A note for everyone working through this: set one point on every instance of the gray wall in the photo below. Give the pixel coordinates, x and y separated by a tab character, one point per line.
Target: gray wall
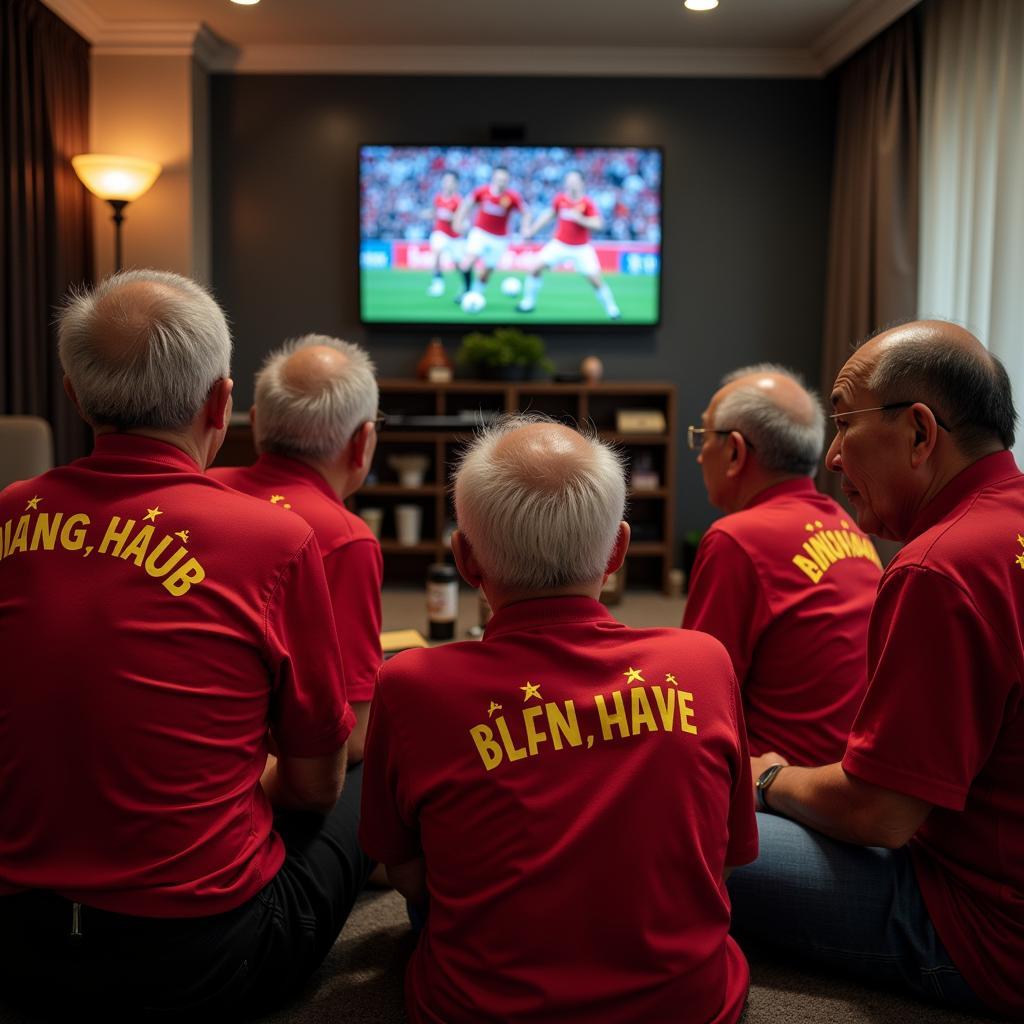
747	179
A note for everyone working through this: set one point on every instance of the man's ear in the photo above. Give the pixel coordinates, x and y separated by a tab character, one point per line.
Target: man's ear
740	454
218	404
926	433
360	448
618	555
465	560
69	390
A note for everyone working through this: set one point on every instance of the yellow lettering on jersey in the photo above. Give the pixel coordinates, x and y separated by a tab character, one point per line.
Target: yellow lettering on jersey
666	702
6	543
19	542
153	566
136	550
608	720
811	569
514	753
72	534
46	529
685	711
824	549
563	726
533	735
115	536
181	581
489	751
640	707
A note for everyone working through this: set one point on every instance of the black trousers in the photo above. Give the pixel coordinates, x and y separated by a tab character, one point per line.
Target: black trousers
230	965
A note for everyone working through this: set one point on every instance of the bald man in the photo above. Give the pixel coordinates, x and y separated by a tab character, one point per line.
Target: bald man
159	632
314	423
931	777
572	789
785	580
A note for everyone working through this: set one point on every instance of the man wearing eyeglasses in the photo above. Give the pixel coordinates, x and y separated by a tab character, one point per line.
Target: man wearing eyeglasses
925	886
315	423
784	580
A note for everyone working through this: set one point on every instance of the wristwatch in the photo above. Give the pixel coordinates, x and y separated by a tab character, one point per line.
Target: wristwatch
764	780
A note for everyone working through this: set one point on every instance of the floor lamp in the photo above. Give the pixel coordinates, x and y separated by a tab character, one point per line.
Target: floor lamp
118	179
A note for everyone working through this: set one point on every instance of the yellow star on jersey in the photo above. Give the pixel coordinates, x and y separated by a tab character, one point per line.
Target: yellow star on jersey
809	527
844	524
183	534
275	498
634	676
531	690
494	707
669	678
152	513
33	502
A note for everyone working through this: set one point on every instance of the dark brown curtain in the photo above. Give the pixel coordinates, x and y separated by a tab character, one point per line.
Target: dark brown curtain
872	250
45	222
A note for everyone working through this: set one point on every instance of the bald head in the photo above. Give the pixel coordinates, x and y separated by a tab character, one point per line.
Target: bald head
312	395
539	503
945	367
782	421
143	349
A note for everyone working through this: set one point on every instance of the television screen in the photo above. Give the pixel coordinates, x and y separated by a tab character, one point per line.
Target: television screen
521	235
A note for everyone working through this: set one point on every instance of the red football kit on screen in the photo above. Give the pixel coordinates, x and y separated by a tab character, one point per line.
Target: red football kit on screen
570	231
352	557
444	211
787	585
493	210
943	718
153	624
576	789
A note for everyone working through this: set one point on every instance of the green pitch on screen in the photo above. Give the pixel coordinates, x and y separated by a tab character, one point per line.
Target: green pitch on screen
400	296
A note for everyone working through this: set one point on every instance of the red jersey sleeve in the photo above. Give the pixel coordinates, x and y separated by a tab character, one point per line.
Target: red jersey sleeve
743	846
924	728
479	192
309	711
516	201
725	598
386	832
354	574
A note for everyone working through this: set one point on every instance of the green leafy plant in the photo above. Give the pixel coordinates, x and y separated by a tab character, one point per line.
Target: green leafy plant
506	349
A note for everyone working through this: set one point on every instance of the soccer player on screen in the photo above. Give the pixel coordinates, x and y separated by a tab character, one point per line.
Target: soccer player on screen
443	236
488	237
577	217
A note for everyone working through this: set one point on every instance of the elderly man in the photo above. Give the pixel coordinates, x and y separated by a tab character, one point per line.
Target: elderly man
160	633
568	792
924	417
314	424
784	580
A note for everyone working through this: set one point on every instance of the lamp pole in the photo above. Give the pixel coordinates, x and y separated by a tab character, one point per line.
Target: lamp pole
118	219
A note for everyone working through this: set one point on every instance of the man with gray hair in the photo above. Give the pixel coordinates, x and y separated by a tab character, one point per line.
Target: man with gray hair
784	579
571	790
161	633
314	422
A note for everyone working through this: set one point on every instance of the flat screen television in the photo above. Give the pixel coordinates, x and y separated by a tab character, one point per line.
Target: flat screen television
511	235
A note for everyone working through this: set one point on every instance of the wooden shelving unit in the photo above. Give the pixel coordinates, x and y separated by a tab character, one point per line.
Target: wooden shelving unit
651	511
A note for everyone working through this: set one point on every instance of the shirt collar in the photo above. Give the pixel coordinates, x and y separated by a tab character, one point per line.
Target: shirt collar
800	485
986	471
545	612
143	449
285	466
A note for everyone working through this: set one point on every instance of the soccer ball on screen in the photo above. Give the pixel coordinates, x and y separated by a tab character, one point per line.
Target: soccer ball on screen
511	286
473	302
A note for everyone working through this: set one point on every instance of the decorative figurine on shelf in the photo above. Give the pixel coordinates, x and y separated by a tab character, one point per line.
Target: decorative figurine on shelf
435	365
592	369
411	468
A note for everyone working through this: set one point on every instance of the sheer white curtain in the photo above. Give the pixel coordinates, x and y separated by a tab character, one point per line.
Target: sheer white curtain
971	263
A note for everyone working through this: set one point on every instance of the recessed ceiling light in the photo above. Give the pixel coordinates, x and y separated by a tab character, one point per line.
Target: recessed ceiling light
692	5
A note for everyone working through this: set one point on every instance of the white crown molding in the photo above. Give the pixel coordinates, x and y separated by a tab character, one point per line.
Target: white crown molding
79	15
661	62
862	22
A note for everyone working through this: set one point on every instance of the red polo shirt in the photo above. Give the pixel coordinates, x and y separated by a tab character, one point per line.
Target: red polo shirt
153	624
943	719
352	558
787	585
576	789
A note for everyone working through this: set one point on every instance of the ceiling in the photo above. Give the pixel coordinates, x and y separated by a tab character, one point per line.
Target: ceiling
784	37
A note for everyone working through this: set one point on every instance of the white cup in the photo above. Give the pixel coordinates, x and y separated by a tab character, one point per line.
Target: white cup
408	520
373	517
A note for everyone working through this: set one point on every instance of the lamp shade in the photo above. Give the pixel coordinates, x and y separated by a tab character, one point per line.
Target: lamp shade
115	177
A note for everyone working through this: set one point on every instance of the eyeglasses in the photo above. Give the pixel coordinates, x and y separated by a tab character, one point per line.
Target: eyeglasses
696	436
837	416
379	421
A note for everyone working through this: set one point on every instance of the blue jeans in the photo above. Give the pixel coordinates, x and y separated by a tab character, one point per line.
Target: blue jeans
855	909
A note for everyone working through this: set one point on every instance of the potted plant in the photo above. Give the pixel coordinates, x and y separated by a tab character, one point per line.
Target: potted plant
506	354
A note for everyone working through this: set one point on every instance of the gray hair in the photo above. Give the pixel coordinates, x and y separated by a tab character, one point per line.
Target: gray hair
314	424
143	356
537	531
780	442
